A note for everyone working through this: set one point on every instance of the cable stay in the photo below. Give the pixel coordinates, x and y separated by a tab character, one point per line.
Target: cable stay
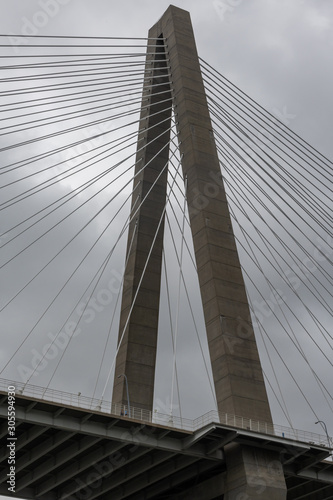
301	195
73	96
81	73
118	298
283	327
42	156
241	194
284	278
82	228
172	334
100	272
273	120
72	129
292	181
77	110
74	192
131	218
285	365
103	174
60	291
120	103
278	208
175	338
281	300
287	248
279	185
191	310
95	61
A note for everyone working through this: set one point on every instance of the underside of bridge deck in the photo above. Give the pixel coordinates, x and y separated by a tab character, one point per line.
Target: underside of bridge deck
64	452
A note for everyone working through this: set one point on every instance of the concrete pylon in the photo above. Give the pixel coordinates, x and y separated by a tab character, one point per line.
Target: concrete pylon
237	373
236	367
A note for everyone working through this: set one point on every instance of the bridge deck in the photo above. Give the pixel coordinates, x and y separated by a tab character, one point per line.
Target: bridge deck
65	452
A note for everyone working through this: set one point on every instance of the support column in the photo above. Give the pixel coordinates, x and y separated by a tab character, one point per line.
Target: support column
137	353
253	473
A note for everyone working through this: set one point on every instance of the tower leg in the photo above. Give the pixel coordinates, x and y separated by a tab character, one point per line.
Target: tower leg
140	304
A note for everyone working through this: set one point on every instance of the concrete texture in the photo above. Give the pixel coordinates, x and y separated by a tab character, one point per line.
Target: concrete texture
253	473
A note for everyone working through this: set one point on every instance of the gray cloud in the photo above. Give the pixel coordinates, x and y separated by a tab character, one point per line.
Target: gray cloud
279	52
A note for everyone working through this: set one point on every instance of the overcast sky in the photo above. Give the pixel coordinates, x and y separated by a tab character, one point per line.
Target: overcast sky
277	51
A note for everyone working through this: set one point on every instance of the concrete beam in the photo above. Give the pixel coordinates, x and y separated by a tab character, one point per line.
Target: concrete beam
209	489
311	490
174	481
138	434
310	461
31	406
197	435
59	412
311	473
143	475
25	439
39	451
112	461
27	493
298	452
62	457
218	444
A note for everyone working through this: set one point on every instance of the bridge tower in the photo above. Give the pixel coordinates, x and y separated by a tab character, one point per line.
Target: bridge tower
238	378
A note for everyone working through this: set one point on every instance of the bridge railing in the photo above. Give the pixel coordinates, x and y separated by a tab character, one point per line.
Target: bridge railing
261	427
176	422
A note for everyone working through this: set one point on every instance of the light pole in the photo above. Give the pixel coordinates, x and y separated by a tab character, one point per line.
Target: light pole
325	429
128	401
